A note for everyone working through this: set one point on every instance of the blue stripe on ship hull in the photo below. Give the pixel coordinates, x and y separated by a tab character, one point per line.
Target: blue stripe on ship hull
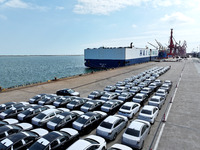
96	63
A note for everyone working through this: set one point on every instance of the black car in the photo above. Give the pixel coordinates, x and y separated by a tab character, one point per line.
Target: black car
125	96
5	106
110	88
13	111
96	94
76	103
35	99
111	106
56	140
47	99
21	140
11	129
61	101
92	105
88	121
31	112
67	92
61	120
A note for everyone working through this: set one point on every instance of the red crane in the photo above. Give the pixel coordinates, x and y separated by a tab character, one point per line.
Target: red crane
171	45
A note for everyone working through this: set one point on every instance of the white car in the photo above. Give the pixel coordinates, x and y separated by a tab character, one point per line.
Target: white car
161	92
121	89
8	121
129	109
140	98
136	133
90	142
42	118
157	101
119	147
148	113
111	126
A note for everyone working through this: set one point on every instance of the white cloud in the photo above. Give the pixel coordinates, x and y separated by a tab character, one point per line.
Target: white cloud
103	6
16	4
177	18
134	26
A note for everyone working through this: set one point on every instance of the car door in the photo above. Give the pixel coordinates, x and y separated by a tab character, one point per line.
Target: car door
155	113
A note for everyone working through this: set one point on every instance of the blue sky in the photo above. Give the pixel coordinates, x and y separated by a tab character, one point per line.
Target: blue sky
60	27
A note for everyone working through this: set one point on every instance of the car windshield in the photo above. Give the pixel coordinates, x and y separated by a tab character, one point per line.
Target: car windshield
144	111
124	95
160	92
40	116
91	141
107	105
40	144
145	90
27	112
132	132
106	95
83	119
74	102
126	107
88	105
94	93
154	100
70	91
138	97
106	125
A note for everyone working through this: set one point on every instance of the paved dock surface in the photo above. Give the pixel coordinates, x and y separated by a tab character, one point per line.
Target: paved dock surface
180	131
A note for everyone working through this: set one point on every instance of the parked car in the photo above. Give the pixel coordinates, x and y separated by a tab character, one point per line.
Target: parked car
96	94
92	105
136	133
61	120
111	106
148	113
135	89
7	130
142	84
21	140
5	106
88	121
14	110
68	92
110	88
8	121
42	118
31	112
128	80
157	101
118	146
91	142
111	126
168	82
47	99
56	140
129	109
76	103
121	89
125	96
166	87
161	92
154	86
35	99
108	96
130	85
146	90
62	101
158	81
120	83
137	81
140	98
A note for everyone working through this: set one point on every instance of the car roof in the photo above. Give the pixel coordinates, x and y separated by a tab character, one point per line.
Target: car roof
81	144
140	94
148	107
129	104
161	90
52	135
156	97
49	111
135	125
111	119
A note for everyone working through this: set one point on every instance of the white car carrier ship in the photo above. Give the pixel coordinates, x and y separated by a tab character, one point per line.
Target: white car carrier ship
106	57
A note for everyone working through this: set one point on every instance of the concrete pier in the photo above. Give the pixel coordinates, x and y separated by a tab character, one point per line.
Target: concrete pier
181	128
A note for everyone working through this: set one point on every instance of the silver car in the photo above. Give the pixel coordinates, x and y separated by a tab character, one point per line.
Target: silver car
161	92
136	133
157	101
111	126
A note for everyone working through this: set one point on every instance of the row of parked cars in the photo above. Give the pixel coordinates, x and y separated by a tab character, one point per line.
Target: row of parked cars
54	115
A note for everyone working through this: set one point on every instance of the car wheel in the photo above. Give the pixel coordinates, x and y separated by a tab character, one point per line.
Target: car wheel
142	145
115	135
103	148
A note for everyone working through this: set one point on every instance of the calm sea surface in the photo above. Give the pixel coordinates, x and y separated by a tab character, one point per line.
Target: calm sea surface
21	70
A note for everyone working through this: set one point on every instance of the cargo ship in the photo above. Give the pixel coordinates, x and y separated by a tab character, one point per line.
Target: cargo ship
112	57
